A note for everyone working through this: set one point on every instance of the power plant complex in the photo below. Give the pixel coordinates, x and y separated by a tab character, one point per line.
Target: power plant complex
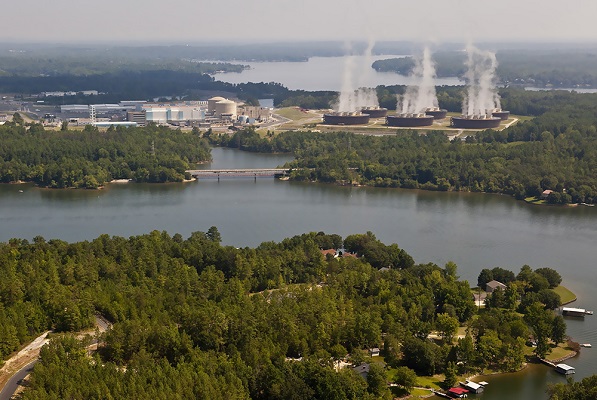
418	106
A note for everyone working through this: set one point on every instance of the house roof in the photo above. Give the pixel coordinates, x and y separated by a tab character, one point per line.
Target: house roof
457	390
564	367
329	251
495	284
547	192
361	368
576	310
472	385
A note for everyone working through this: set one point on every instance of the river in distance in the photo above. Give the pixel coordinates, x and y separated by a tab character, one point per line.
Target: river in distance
323	73
474	230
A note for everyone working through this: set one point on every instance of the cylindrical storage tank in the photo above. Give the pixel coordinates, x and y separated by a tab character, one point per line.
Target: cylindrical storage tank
345	119
475	123
375	112
225	107
211	103
437	113
503	115
409	122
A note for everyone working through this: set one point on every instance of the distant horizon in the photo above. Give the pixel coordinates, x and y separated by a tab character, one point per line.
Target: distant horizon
232	43
266	21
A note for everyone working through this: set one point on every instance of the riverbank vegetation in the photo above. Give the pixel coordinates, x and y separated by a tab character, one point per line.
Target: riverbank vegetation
90	158
198	319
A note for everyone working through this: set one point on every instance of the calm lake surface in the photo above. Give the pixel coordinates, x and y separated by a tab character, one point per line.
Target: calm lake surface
323	73
474	230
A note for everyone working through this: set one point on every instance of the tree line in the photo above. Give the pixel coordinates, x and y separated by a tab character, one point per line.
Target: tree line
90	158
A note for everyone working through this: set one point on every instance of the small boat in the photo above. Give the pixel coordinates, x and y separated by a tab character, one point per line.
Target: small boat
588	345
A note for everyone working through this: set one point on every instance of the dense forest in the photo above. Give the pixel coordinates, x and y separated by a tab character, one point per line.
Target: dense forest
195	319
90	158
535	67
557	150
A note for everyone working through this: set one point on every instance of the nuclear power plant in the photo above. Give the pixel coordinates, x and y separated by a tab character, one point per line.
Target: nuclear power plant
418	106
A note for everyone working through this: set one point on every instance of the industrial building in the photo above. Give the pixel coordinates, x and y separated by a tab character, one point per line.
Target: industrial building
139	117
165	114
216	110
262	114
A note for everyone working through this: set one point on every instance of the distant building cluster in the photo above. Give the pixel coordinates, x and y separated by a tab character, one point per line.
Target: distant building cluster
217	111
71	93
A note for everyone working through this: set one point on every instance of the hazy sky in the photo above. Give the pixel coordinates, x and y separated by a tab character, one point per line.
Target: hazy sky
298	20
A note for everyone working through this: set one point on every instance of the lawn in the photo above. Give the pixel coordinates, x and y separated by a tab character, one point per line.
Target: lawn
534	200
559	352
566	295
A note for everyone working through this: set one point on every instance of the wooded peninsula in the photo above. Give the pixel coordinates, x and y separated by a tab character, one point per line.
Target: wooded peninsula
195	319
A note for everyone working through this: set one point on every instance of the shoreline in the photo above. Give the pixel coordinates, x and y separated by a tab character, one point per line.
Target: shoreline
529	200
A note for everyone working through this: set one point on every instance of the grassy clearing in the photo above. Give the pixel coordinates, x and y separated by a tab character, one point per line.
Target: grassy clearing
559	352
565	294
292	113
432	382
461	331
419	393
534	200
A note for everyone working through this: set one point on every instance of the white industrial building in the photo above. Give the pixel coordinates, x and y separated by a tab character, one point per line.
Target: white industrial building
163	114
256	113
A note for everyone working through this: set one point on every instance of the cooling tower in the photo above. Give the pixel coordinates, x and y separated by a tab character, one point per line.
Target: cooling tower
409	120
475	122
342	118
375	112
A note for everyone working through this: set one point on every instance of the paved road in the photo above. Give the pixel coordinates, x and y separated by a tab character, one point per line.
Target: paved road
13	383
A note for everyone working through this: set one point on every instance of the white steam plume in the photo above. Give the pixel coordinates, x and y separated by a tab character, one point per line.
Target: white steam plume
420	94
481	98
353	97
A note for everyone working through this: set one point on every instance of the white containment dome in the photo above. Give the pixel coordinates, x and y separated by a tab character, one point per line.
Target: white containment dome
225	107
211	103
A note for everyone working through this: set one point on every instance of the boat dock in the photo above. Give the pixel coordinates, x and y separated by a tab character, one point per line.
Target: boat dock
575	312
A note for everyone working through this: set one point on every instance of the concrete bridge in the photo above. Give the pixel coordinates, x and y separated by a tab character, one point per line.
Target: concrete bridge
242	172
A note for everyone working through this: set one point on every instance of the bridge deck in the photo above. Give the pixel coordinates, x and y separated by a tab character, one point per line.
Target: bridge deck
238	172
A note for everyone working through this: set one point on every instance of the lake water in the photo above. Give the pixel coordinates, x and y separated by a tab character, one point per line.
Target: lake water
474	230
323	73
